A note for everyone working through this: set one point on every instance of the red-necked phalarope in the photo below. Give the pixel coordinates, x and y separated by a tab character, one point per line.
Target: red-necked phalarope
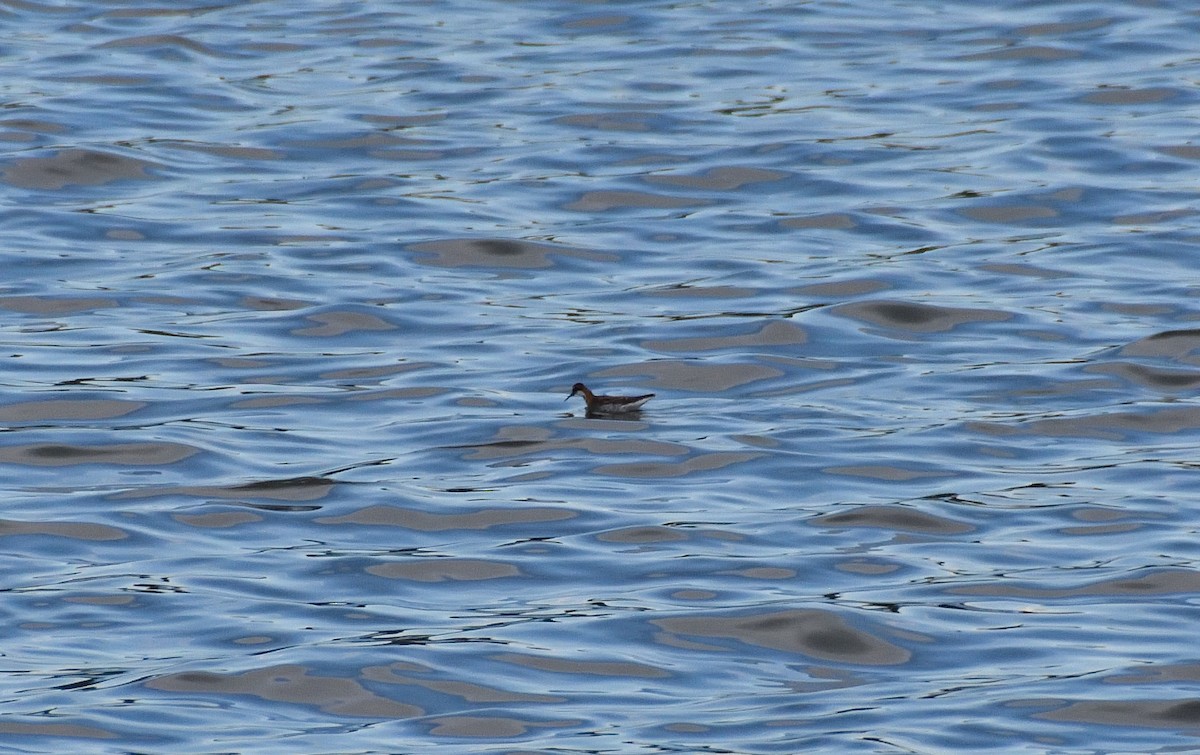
609	404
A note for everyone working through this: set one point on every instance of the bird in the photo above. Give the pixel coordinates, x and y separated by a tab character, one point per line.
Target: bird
609	405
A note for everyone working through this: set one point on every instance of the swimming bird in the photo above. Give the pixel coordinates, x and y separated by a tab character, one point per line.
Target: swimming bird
607	405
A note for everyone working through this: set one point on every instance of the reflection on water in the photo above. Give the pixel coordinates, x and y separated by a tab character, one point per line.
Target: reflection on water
817	634
293	295
69	167
499	253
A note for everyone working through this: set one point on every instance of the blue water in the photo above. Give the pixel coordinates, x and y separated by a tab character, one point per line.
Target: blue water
293	294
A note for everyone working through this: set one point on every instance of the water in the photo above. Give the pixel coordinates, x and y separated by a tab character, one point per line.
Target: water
293	294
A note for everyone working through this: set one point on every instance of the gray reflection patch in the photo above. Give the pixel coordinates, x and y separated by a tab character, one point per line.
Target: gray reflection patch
602	201
774	333
680	290
415	392
1160	582
915	317
81	167
892	518
494	252
273	304
701	463
162	40
722	178
1008	52
445	570
55	730
360	374
834	221
491	727
1153	218
819	634
61	454
870	568
882	472
217	519
693	595
288	489
231	152
598	23
1097	530
269	402
642	535
468	692
765	572
75	530
1158	714
333	324
591	668
846	288
615	120
1172	344
1109	95
509	448
1179	672
290	684
1101	426
1185	151
481	519
1150	377
1015	213
690	376
34	411
54	305
1029	271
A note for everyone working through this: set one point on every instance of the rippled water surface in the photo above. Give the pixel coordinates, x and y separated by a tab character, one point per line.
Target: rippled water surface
293	294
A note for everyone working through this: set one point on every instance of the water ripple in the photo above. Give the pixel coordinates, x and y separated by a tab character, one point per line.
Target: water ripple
294	296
